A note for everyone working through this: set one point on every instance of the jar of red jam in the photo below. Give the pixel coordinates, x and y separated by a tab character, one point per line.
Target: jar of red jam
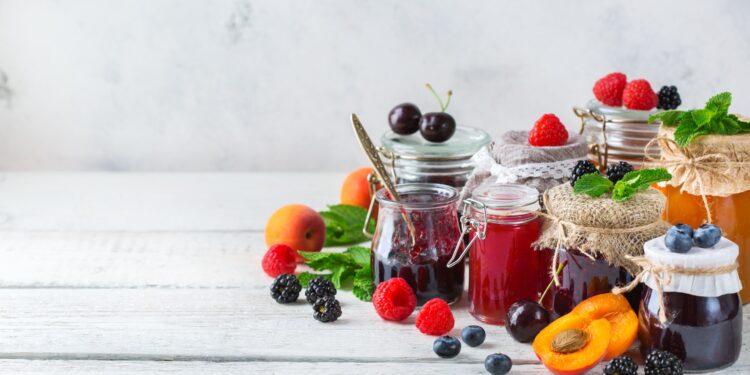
503	265
420	257
412	159
703	313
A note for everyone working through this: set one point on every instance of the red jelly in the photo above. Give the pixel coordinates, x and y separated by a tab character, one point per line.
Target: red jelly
424	263
503	265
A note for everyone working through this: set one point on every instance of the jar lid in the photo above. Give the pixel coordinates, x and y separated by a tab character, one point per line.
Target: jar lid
620	113
466	141
507	196
723	253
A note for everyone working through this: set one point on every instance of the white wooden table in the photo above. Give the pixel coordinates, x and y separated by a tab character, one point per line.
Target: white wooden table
160	273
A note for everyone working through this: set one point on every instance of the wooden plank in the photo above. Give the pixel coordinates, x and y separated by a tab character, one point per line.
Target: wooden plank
222	325
156	202
68	367
131	259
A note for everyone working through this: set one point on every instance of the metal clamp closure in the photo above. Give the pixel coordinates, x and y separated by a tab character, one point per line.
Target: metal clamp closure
468	223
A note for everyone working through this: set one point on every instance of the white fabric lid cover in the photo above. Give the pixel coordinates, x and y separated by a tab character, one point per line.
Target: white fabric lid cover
722	254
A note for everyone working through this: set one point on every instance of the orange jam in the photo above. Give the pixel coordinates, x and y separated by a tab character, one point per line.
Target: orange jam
731	214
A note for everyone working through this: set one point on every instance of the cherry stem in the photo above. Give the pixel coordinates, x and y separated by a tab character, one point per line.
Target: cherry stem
448	102
549	286
440	101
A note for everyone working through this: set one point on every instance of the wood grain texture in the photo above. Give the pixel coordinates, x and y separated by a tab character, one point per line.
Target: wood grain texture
104	273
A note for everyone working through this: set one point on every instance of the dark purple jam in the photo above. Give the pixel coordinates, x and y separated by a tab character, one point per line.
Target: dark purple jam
424	265
583	277
704	332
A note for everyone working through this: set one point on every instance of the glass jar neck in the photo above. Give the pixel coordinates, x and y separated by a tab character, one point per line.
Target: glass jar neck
419	196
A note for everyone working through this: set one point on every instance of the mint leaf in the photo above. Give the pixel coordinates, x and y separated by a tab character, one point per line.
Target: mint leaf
326	260
363	287
305	277
592	184
667	118
360	255
702	116
720	103
725	125
687	131
341	275
636	181
344	225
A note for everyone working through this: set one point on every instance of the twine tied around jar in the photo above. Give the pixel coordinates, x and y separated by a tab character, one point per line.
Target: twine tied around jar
662	275
693	165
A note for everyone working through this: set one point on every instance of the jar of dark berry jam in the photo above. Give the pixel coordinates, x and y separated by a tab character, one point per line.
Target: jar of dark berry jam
503	265
585	276
412	159
703	314
421	257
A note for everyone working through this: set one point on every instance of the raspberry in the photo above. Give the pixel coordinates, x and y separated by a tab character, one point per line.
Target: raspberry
435	318
608	89
548	131
394	299
279	259
638	94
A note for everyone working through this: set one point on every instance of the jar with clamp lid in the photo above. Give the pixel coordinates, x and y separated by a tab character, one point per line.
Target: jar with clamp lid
503	222
412	159
616	134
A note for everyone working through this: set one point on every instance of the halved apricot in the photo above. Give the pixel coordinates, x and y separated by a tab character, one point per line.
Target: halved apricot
616	309
572	344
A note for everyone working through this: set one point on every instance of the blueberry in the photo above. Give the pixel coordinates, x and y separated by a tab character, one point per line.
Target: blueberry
678	239
686	228
498	364
707	235
446	346
473	335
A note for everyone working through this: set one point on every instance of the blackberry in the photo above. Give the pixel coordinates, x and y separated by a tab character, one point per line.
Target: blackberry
621	366
319	287
327	309
583	167
660	362
668	98
615	172
286	288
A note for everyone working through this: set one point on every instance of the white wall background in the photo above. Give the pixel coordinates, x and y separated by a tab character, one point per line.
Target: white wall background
195	85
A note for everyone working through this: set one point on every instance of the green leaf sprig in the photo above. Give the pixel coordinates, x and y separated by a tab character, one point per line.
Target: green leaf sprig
596	185
351	267
344	225
713	119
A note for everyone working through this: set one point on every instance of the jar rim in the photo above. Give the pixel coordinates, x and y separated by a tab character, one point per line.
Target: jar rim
466	142
448	193
506	196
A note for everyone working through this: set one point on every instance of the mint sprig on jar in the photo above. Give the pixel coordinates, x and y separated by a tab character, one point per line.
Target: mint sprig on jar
595	185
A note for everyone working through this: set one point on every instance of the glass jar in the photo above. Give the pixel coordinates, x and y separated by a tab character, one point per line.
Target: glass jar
421	258
616	134
503	224
584	277
412	159
703	325
731	214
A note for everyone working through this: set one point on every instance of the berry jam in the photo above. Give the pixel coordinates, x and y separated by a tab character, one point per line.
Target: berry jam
424	265
583	277
495	282
705	333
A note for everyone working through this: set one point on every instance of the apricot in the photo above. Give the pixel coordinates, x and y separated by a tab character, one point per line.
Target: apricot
616	309
297	226
356	189
572	344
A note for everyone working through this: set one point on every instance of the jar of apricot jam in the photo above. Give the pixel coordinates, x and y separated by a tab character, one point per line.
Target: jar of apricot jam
584	276
412	159
420	257
703	325
503	265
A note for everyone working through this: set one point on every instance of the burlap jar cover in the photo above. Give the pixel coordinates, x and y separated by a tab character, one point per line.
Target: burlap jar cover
601	227
511	160
717	165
